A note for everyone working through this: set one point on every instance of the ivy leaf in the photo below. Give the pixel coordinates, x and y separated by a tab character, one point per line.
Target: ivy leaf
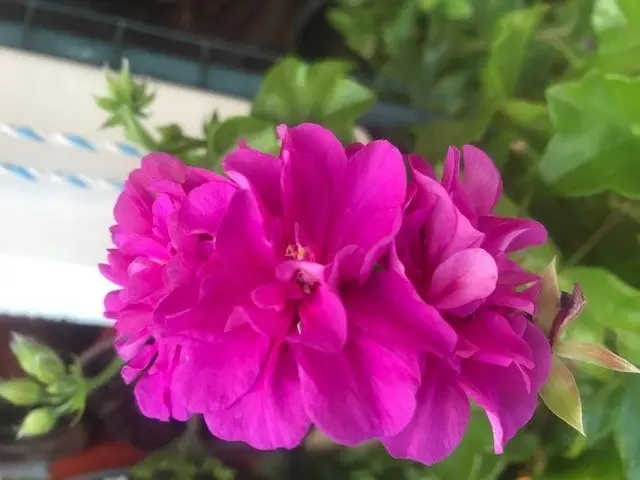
617	26
508	49
561	395
528	115
293	92
358	26
628	428
259	134
612	303
597	142
600	463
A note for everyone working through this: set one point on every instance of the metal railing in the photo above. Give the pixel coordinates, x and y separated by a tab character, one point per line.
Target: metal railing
96	38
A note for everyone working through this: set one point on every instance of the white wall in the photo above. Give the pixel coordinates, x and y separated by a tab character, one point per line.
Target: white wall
53	235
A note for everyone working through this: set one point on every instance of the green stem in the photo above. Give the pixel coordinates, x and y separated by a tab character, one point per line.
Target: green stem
103	377
611	221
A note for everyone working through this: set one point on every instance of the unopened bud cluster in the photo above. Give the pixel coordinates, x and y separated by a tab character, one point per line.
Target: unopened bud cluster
50	389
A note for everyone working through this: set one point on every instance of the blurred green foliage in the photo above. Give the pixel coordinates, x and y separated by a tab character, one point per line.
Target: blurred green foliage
551	89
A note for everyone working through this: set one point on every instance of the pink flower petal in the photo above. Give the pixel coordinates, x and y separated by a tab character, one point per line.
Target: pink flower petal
216	373
323	321
482	183
144	283
368	206
387	309
271	414
495	340
447	229
258	171
462	278
162	166
504	394
362	393
150	395
205	206
440	420
131	211
241	235
511	234
313	179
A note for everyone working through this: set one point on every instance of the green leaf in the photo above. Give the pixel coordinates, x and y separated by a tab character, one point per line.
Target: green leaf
337	100
601	408
597	142
628	344
433	139
458	9
628	428
400	30
358	27
610	302
617	26
522	447
602	463
508	49
259	134
293	92
595	355
529	115
561	395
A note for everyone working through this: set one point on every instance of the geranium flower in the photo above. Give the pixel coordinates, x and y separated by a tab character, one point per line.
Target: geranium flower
159	247
455	252
280	339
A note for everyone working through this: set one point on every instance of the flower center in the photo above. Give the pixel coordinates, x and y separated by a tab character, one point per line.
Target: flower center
298	252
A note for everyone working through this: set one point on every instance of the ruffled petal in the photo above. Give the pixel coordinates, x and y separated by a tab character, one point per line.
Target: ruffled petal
504	394
440	420
271	414
495	340
482	183
370	200
387	309
463	278
260	172
214	374
241	236
205	206
314	168
362	393
323	321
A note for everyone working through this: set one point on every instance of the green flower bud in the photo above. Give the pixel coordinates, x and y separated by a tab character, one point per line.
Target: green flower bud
21	391
37	360
38	422
63	388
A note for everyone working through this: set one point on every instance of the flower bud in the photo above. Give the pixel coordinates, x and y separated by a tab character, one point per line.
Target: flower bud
38	422
37	360
21	391
63	388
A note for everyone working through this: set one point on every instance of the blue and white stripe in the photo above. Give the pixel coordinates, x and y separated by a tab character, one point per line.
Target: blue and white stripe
60	177
72	140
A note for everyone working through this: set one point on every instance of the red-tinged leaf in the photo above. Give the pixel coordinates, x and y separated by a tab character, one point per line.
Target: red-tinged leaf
548	301
562	397
571	305
594	354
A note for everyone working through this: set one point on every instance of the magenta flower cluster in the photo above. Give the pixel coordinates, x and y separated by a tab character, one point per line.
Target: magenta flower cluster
345	289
